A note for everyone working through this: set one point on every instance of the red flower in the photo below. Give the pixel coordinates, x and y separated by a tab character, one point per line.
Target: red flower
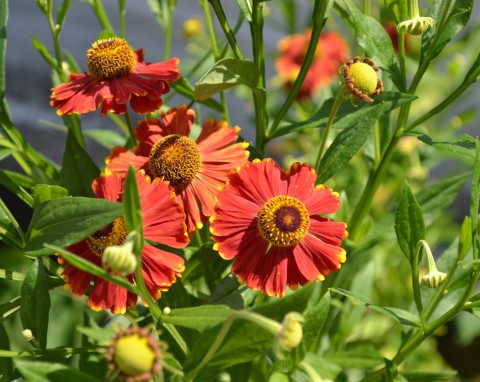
163	222
117	75
392	32
331	52
195	169
268	221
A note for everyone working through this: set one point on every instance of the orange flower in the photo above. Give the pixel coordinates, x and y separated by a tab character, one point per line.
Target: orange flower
163	222
331	52
117	75
268	221
195	169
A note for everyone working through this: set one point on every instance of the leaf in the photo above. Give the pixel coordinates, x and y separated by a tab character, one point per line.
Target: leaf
199	318
246	8
106	138
44	192
359	357
372	37
9	180
465	238
43	51
428	376
68	220
183	87
78	169
315	316
35	303
475	194
3	46
224	74
37	371
409	224
448	23
62	12
345	145
6	364
8	230
397	10
348	113
198	262
400	315
463	144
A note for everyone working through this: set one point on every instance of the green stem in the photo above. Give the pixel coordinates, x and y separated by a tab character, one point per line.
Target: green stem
123	29
413	7
415	283
333	111
217	7
169	9
401	58
259	93
310	371
102	17
131	134
319	11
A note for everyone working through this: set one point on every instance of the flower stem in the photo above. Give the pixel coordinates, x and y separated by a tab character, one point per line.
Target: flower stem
319	10
131	134
333	111
415	283
123	30
102	17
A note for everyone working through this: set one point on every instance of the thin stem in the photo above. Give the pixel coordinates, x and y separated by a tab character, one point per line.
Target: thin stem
167	30
367	7
333	111
102	17
413	7
319	11
217	7
128	122
415	284
310	371
123	29
401	58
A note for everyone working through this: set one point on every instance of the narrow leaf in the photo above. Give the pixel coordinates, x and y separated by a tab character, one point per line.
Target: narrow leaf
37	371
44	192
429	376
43	51
6	364
3	46
397	9
78	169
465	238
106	138
224	74
68	220
475	194
199	318
409	224
315	316
9	180
62	12
346	144
463	144
35	303
246	8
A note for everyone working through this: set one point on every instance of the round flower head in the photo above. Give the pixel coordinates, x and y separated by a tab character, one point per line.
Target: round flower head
331	51
117	75
193	168
269	221
134	354
163	222
361	79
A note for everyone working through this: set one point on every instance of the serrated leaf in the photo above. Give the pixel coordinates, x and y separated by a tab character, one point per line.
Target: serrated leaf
35	303
463	144
78	169
224	74
44	192
347	113
68	220
400	315
450	18
199	318
409	223
37	371
346	144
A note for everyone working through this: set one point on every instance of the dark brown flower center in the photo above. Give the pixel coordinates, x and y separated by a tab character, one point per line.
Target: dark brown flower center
283	221
114	233
110	58
175	158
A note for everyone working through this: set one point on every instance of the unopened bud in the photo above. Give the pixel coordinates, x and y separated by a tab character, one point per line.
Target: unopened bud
120	258
434	279
291	333
416	26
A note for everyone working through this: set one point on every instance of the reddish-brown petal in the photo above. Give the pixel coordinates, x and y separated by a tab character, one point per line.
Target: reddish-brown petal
329	231
322	201
121	159
108	187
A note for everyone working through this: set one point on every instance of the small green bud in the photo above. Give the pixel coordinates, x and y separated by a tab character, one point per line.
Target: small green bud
291	333
434	279
120	258
416	26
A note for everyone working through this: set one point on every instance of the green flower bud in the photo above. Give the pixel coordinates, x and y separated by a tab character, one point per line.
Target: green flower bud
416	26
120	258
291	333
434	279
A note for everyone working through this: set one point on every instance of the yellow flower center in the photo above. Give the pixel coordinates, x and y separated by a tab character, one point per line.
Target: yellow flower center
283	221
110	58
134	355
113	234
175	158
364	77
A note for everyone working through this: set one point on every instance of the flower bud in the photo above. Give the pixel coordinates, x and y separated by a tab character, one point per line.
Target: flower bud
120	258
28	335
361	79
291	333
416	26
434	279
192	27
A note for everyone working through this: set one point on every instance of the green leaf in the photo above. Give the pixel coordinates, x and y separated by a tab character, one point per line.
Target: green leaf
346	144
465	238
450	18
9	180
429	376
463	144
62	12
359	357
6	364
183	87
8	229
224	74
3	46
37	371
106	138
35	303
348	113
68	220
245	341
409	224
43	51
400	315
397	10
246	8
315	316
475	194
44	192
78	169
198	263
199	318
372	37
